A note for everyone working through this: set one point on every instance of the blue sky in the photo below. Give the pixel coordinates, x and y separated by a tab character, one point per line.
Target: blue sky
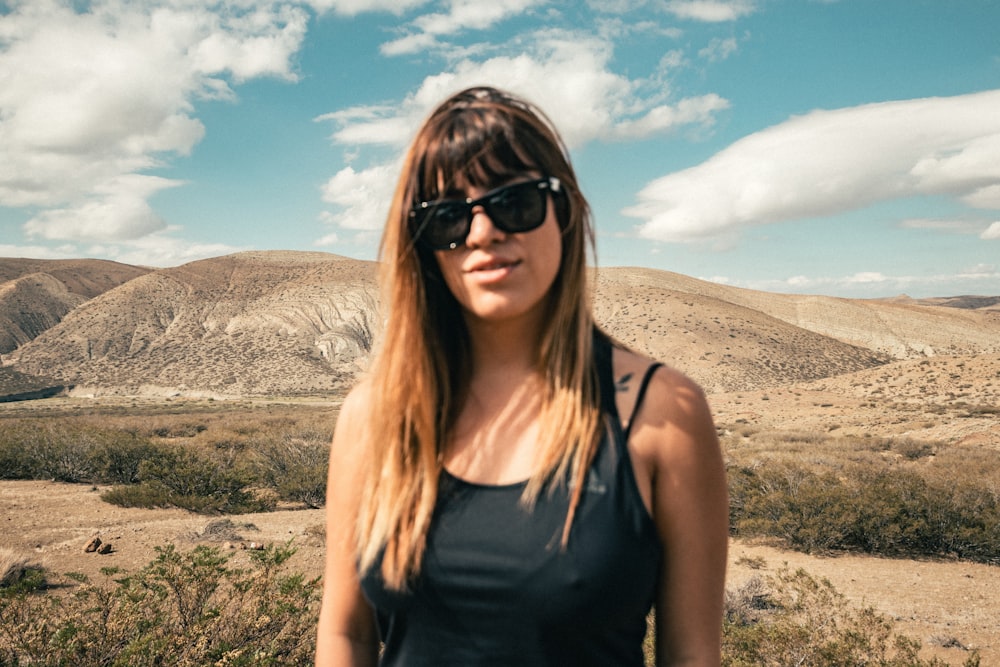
839	147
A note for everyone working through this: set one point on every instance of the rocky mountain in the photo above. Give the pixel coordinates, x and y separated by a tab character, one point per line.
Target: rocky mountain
293	323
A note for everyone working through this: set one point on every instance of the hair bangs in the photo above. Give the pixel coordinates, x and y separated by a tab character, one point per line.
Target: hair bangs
481	149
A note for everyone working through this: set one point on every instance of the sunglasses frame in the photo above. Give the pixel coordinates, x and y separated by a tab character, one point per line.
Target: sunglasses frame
549	183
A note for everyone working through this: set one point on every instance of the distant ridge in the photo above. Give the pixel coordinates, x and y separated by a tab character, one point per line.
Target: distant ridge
250	323
967	301
901	330
297	323
36	294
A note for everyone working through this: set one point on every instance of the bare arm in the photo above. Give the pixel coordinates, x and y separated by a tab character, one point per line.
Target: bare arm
346	634
676	449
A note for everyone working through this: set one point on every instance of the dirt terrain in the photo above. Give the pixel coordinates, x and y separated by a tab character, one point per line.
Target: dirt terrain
935	602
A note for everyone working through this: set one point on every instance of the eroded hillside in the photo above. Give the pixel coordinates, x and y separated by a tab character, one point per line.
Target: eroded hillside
36	294
252	323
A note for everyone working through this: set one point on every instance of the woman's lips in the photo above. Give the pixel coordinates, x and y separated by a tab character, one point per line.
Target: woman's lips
493	269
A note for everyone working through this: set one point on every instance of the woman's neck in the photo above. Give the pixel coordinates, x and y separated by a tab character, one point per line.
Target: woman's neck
504	349
494	439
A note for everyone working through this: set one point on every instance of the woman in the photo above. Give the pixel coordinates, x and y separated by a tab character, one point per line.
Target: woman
507	487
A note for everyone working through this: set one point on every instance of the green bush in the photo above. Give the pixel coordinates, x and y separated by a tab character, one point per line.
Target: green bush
232	460
182	478
889	512
191	608
117	459
67	451
19	574
793	618
296	468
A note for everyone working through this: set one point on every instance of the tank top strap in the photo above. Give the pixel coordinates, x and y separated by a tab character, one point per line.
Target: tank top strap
647	376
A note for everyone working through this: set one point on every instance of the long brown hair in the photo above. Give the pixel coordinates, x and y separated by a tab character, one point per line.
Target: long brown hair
476	138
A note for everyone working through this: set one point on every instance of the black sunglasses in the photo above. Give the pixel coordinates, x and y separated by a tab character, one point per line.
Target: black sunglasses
444	224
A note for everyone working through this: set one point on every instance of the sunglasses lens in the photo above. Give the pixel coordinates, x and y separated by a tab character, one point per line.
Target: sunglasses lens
445	223
519	208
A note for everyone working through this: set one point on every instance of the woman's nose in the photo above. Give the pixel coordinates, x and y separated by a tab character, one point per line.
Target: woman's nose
482	231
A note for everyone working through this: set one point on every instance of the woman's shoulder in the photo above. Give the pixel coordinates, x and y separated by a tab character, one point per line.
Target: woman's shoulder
665	384
673	407
358	398
348	435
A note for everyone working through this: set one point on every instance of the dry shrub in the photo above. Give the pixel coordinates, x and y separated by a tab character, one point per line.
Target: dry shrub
885	496
296	468
792	618
18	572
888	512
185	479
190	608
914	450
218	460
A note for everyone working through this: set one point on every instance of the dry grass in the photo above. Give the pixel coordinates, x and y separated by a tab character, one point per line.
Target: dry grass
14	567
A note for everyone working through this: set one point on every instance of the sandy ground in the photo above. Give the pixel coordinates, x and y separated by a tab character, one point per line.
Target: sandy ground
931	601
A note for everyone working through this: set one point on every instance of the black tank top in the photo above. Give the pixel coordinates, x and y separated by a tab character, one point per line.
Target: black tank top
497	589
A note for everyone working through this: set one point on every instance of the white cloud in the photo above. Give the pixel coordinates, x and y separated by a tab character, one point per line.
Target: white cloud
982	270
117	211
832	161
159	249
362	197
163	249
864	278
719	49
690	111
981	279
414	43
39	251
260	42
985	197
616	6
93	98
942	225
354	7
567	74
475	14
461	15
992	232
712	11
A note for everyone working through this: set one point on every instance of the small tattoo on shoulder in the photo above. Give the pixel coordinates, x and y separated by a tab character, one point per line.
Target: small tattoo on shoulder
621	384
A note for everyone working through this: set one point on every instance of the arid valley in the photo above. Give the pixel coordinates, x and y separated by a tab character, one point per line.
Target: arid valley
908	383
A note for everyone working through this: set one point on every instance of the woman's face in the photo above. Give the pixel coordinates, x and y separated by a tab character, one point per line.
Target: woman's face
498	276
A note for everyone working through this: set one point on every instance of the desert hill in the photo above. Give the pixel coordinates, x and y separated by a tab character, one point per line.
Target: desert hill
903	329
285	323
251	323
84	277
36	294
724	346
